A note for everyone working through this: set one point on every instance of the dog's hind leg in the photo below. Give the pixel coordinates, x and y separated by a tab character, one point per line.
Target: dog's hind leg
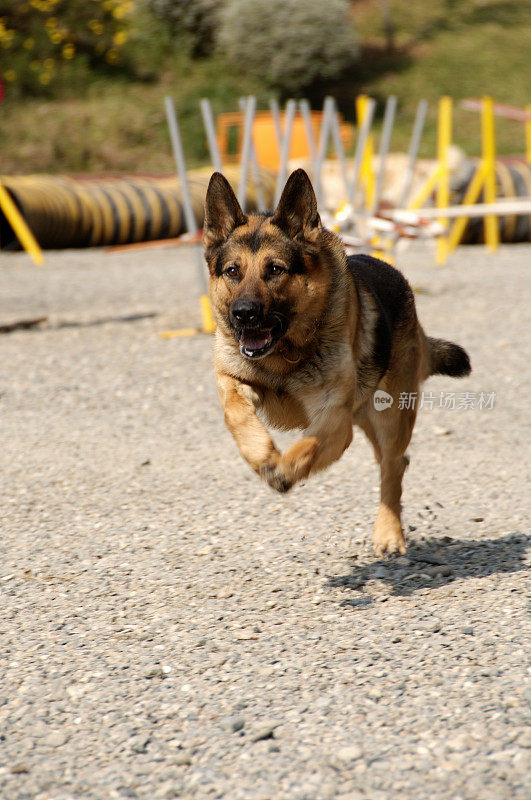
388	536
389	432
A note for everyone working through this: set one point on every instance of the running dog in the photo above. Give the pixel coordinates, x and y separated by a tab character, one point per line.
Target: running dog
308	338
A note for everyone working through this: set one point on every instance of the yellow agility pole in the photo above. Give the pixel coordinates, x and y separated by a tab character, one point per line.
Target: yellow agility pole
484	178
179	333
425	191
439	180
209	326
366	170
20	227
470	196
489	160
528	135
444	140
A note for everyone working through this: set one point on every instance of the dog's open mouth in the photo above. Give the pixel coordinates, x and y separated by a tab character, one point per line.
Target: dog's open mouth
255	343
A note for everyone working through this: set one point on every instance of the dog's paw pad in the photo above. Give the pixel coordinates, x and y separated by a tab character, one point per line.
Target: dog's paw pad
274	477
390	543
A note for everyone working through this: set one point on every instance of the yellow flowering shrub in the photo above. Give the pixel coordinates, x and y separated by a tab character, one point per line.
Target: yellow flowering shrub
40	39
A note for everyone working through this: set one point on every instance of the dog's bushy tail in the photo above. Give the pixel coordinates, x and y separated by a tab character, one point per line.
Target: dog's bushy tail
447	358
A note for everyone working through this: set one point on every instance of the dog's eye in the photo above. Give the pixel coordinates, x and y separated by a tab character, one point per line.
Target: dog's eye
275	270
232	271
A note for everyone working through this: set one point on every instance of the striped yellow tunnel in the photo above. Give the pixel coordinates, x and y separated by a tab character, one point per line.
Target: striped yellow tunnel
512	180
90	212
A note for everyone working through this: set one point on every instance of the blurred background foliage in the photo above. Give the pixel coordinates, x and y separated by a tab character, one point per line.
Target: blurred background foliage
84	80
44	42
289	44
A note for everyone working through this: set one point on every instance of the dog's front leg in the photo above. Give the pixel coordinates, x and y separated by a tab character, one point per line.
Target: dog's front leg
240	402
324	443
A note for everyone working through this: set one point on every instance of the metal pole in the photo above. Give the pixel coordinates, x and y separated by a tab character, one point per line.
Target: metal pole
363	133
250	108
338	145
175	136
389	118
275	113
189	216
210	128
306	114
328	110
260	203
291	107
414	146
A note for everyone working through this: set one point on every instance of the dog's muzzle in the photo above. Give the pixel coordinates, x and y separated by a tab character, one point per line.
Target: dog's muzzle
256	335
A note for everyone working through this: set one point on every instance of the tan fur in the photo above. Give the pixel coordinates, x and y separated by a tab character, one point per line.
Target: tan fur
311	378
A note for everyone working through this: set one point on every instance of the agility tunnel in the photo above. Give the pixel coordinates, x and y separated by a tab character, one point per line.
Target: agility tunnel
513	180
64	211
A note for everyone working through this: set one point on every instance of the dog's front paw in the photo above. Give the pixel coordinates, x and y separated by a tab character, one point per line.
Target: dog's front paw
387	533
390	542
275	478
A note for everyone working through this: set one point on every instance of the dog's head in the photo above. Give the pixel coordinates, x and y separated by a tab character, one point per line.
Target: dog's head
268	278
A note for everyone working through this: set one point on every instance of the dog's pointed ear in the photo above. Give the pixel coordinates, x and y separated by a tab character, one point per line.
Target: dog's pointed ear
222	212
296	212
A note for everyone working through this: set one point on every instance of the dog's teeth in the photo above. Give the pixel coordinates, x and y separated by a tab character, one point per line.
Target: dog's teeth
256	342
253	344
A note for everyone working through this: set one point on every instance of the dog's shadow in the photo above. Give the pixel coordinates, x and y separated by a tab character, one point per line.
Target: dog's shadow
436	563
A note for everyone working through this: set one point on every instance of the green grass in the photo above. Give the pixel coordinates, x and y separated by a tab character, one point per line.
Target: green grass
458	47
116	126
463	48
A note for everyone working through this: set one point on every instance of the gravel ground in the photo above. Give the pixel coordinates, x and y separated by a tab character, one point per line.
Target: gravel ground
170	628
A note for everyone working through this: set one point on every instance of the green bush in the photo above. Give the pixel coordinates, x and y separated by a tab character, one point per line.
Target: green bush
194	22
289	44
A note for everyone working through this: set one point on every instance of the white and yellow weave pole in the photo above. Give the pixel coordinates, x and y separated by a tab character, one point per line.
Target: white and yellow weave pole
439	180
364	135
284	147
253	159
484	178
383	246
20	227
363	104
444	140
488	139
414	146
207	319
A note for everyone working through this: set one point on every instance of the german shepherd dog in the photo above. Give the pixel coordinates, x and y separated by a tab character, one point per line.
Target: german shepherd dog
305	338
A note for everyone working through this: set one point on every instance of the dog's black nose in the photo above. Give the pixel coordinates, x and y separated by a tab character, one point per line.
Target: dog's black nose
246	312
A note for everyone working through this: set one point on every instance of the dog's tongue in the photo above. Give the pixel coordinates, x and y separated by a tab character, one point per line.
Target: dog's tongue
255	340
